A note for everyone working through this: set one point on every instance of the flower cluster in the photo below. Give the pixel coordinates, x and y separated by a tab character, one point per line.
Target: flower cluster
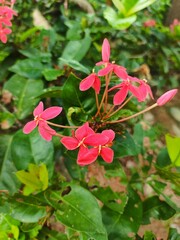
94	138
6	15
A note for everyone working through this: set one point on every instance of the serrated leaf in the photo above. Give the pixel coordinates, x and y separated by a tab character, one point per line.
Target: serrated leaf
173	147
75	205
23	91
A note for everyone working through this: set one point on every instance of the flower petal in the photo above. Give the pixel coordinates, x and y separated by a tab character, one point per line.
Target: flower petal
97	85
51	112
120	72
83	131
86	83
107	154
45	131
39	109
120	96
105	50
96	140
87	156
105	70
166	97
29	127
69	142
110	134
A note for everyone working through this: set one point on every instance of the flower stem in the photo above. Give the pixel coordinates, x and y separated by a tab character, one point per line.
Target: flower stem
134	115
61	126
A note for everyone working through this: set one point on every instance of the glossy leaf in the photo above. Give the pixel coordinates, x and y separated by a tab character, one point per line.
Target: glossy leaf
8	180
73	64
153	207
23	91
124	226
75	205
31	148
52	92
173	147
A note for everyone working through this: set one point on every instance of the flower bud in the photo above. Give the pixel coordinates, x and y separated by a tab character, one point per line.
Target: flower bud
166	97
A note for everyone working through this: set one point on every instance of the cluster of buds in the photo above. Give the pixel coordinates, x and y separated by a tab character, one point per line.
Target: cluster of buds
89	138
6	15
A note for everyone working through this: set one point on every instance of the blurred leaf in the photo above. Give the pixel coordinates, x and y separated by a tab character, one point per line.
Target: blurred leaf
52	74
75	205
8	227
149	236
29	68
52	92
124	226
153	207
36	179
7	119
23	91
73	64
8	180
30	32
77	49
117	21
33	149
163	158
173	234
173	147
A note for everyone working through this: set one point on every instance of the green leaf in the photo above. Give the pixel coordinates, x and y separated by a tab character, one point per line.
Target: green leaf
125	146
7	119
113	200
133	6
8	180
71	91
118	21
173	234
73	64
173	147
8	226
36	179
30	32
52	92
52	74
29	68
124	226
23	91
154	207
149	236
32	148
77	209
76	50
27	212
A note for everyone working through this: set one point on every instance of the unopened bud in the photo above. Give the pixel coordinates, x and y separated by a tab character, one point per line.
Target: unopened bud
166	97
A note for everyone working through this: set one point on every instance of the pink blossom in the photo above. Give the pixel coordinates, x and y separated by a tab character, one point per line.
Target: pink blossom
150	23
175	23
109	67
40	117
91	81
143	89
3	33
101	144
166	97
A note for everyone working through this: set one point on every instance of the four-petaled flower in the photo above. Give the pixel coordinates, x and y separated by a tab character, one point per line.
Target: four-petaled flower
109	67
91	81
90	144
40	117
100	143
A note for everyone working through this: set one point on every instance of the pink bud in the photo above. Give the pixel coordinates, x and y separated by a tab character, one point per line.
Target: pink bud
166	97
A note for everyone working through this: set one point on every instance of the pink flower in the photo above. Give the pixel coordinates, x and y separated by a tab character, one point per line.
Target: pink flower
166	97
175	23
90	144
150	23
40	117
101	143
91	81
118	70
144	89
3	33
